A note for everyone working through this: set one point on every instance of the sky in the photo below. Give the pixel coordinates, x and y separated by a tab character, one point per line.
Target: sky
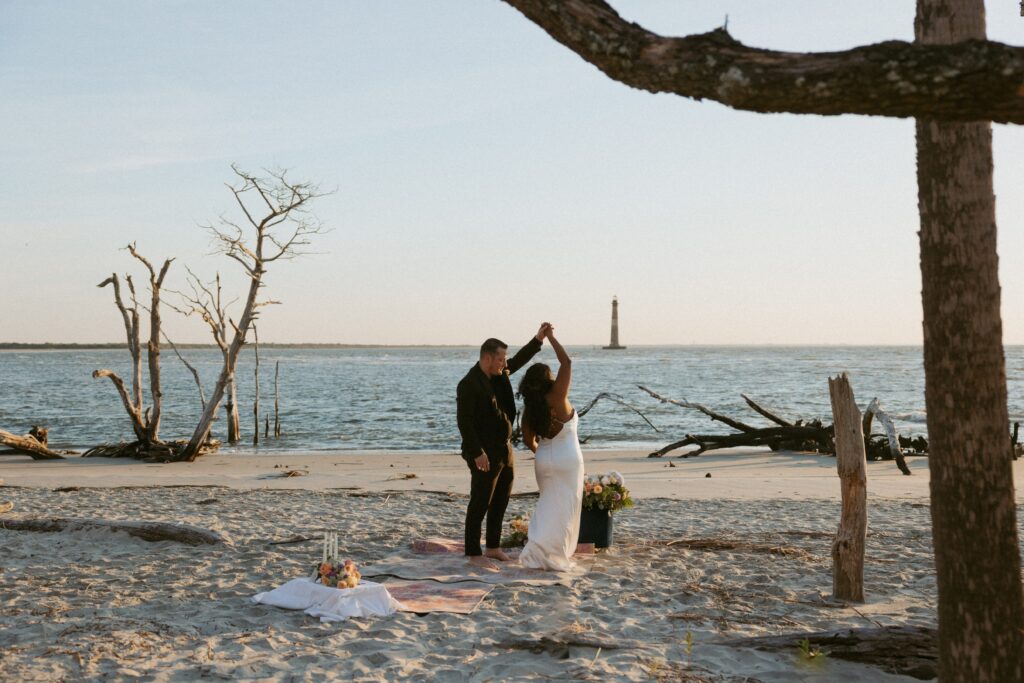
483	178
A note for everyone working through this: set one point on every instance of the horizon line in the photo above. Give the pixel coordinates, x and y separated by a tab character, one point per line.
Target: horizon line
72	346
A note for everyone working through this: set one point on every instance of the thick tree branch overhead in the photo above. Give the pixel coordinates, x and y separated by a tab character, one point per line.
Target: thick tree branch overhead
974	80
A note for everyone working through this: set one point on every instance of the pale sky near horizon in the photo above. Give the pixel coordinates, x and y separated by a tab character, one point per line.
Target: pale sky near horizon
486	177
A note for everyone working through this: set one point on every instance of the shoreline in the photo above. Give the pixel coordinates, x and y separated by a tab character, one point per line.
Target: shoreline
735	474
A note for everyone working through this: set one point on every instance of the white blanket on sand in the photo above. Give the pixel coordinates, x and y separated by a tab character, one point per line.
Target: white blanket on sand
331	604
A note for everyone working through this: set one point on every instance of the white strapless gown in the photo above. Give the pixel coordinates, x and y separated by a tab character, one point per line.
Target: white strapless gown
555	524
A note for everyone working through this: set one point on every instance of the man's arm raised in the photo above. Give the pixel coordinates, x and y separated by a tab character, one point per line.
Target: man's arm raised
531	349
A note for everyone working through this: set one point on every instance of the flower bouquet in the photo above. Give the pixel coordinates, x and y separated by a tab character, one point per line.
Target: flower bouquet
520	526
606	492
332	572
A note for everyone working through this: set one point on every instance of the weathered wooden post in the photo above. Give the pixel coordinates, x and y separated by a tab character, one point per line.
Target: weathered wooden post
256	401
277	400
848	546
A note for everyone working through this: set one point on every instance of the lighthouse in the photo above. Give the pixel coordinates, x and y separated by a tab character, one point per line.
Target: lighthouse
614	345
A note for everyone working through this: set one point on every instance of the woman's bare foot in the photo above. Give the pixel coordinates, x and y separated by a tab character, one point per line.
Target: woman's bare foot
481	561
497	554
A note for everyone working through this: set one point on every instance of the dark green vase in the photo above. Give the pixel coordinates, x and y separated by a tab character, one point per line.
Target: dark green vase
596	527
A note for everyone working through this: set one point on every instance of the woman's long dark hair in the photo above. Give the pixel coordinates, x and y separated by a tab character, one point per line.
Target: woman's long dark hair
534	387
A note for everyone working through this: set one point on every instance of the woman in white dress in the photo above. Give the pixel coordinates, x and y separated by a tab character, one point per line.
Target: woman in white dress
549	429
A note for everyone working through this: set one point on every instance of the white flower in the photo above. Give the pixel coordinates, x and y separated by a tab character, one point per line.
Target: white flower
605	480
617	478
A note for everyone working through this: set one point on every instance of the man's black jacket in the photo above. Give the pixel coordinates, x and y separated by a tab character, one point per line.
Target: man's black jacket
486	407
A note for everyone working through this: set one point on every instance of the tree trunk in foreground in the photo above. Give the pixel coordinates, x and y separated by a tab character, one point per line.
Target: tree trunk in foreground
977	559
848	546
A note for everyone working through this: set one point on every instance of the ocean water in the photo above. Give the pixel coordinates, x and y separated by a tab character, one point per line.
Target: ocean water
404	398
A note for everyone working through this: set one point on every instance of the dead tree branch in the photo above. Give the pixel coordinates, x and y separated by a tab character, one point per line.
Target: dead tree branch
735	424
975	80
617	399
191	368
765	413
138	424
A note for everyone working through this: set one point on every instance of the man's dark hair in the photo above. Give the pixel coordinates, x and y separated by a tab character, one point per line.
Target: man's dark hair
492	345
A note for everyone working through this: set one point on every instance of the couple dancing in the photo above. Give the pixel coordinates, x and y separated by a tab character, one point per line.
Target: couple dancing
486	412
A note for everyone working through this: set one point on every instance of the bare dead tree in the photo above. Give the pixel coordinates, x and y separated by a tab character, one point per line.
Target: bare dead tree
145	421
955	83
277	226
205	300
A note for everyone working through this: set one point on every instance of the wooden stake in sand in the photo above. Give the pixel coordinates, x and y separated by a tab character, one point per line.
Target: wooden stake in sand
277	400
848	546
256	401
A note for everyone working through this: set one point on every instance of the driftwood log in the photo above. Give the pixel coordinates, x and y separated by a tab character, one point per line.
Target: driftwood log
33	444
797	436
848	546
147	531
163	451
903	650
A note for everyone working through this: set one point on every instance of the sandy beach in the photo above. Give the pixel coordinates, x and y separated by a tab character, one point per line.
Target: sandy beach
96	604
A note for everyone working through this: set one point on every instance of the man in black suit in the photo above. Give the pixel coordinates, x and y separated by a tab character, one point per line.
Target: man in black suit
486	410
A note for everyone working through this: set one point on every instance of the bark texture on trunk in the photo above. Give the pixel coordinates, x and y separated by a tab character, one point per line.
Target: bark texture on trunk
977	559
